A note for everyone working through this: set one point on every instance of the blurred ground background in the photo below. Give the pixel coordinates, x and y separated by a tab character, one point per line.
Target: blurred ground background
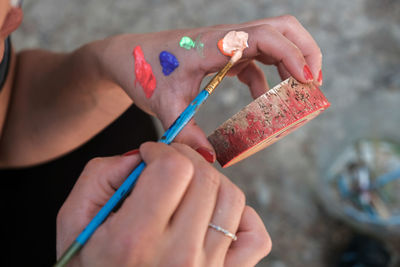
360	41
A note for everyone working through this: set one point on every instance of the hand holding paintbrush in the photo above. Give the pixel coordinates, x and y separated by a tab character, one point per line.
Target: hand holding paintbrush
167	138
286	57
165	219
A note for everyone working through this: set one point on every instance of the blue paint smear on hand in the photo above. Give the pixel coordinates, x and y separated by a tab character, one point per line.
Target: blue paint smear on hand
168	62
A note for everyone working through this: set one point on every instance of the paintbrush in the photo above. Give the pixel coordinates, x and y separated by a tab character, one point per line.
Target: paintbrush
130	181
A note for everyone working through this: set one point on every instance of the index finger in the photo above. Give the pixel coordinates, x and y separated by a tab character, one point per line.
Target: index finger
292	29
158	191
266	44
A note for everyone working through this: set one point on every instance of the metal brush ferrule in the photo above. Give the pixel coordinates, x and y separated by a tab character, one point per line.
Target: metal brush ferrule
218	78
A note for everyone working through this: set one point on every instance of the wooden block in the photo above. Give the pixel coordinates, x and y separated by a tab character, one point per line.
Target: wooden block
267	119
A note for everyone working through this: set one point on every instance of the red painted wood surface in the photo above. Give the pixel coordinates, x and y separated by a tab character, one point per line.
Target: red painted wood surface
267	119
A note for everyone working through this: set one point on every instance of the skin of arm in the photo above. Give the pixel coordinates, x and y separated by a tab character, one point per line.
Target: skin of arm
58	102
51	102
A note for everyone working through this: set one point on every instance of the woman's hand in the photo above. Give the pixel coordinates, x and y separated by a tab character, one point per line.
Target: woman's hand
164	221
280	41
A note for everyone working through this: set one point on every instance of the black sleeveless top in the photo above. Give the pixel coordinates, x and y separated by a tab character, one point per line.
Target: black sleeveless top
31	197
5	63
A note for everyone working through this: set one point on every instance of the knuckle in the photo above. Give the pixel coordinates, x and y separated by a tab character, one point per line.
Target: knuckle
60	216
188	259
125	246
268	246
92	166
296	53
127	242
94	162
290	19
261	241
147	146
319	54
235	195
299	55
187	262
176	163
184	149
180	145
264	29
129	247
264	243
170	161
261	244
240	197
209	176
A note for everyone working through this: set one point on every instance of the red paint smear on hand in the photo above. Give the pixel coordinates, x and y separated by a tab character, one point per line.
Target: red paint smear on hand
144	73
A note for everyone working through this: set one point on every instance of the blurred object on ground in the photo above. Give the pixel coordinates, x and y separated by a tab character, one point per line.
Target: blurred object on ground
364	251
363	184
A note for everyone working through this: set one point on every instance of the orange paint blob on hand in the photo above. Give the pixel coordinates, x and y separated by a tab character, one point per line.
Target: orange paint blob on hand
233	44
221	48
144	72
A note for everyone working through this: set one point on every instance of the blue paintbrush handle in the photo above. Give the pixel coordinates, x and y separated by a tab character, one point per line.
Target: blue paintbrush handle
119	195
130	181
184	118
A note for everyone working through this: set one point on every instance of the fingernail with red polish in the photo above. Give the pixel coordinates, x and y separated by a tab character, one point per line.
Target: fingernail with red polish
132	152
307	73
320	77
207	154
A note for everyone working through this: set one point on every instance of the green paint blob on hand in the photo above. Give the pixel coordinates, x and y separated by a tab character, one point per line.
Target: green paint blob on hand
187	43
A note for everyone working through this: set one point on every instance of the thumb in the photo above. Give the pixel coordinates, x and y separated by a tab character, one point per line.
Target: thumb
98	181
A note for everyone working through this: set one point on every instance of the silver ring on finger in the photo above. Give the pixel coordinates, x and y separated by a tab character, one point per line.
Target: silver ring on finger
222	230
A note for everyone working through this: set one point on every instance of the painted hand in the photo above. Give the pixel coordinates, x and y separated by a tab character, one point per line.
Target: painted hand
165	219
165	90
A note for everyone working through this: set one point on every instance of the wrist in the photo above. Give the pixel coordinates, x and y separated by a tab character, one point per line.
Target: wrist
92	55
106	55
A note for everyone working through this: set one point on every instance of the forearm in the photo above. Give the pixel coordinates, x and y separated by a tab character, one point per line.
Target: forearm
59	101
53	79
